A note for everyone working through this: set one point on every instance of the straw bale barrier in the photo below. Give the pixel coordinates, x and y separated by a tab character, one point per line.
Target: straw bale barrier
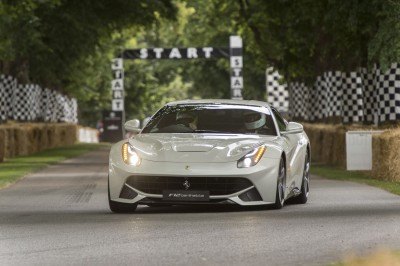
328	142
328	146
27	138
386	155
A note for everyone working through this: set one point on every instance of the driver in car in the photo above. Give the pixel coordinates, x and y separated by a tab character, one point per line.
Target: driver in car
188	119
255	122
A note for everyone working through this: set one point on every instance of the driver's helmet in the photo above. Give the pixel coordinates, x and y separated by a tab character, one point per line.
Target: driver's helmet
185	117
254	120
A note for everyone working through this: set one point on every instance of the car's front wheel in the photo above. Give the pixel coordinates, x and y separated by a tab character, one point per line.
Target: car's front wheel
280	188
120	207
305	184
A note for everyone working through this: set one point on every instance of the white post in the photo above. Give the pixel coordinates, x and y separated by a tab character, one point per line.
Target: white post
236	62
117	86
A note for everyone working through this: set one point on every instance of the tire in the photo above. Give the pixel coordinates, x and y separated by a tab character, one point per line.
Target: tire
305	183
280	187
119	207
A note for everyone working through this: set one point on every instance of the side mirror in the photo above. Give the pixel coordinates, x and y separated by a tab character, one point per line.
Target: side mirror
133	125
293	128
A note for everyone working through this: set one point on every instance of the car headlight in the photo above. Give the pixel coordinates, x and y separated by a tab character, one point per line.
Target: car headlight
129	155
252	158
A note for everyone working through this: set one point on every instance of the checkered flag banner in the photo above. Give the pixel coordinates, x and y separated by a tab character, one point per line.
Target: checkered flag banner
387	85
352	103
334	93
369	95
300	101
277	94
29	102
362	96
7	85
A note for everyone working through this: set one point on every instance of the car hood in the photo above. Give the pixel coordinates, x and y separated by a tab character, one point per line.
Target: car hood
186	147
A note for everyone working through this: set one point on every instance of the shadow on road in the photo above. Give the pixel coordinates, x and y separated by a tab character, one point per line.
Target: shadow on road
185	213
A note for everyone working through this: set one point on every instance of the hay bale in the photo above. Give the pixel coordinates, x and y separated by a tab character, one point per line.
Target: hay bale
27	138
21	137
35	139
339	152
51	136
315	136
328	142
9	142
386	155
324	144
2	144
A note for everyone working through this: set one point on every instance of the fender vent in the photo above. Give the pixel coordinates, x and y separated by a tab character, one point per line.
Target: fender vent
127	193
251	195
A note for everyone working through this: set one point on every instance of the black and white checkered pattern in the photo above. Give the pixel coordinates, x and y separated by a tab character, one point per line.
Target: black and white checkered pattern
51	110
277	94
22	103
387	86
333	85
362	96
7	88
29	102
352	104
299	100
321	103
369	96
36	96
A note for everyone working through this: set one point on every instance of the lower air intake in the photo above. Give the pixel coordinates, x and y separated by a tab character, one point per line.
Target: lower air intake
251	195
127	193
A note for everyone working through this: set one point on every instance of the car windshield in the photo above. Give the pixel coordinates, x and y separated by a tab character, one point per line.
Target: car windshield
214	118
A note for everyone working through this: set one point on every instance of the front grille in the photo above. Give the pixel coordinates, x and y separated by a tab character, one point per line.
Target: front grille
215	185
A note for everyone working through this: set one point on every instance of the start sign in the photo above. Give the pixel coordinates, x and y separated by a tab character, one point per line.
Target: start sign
233	52
176	53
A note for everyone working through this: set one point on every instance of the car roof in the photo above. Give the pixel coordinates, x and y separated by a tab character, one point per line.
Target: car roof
221	101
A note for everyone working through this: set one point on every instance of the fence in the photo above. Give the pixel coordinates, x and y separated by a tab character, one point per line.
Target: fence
30	102
357	97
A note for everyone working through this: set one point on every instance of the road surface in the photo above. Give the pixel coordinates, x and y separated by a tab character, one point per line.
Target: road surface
60	216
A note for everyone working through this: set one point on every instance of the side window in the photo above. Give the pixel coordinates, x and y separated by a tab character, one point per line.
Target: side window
281	122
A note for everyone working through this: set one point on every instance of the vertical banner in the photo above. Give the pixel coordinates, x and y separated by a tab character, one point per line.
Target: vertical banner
236	62
113	121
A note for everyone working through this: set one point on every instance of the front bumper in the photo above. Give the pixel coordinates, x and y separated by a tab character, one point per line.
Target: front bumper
262	176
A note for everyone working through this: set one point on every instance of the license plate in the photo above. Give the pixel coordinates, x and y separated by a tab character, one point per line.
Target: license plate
184	195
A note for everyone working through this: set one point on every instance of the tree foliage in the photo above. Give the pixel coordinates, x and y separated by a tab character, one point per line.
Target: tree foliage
44	41
68	44
304	38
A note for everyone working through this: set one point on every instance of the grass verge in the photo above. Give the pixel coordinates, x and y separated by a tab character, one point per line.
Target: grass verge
355	176
382	258
11	170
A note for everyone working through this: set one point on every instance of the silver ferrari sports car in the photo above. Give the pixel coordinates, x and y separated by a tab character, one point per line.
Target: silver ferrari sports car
210	152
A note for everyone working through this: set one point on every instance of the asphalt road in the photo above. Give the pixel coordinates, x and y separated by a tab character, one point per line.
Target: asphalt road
60	216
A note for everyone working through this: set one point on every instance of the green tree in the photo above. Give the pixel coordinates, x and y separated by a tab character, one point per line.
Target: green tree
304	38
67	44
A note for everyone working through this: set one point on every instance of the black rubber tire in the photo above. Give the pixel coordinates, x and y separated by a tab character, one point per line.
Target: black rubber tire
280	186
119	207
305	183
